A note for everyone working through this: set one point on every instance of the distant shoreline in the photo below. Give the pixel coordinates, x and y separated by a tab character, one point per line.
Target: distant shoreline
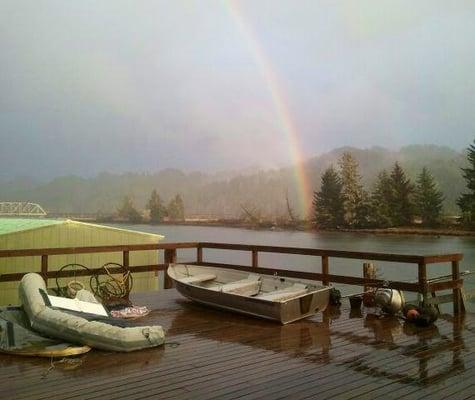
307	227
412	231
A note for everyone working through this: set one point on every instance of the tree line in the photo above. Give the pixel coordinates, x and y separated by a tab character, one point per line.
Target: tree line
393	201
157	210
466	201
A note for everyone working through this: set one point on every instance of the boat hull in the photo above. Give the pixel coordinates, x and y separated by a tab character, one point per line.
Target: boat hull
284	312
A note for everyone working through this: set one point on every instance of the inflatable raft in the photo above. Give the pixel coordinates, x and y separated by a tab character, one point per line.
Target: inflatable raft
17	338
93	330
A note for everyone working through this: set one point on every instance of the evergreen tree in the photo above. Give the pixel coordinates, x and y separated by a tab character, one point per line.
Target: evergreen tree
381	199
156	207
401	205
428	199
355	199
176	209
466	201
328	202
128	211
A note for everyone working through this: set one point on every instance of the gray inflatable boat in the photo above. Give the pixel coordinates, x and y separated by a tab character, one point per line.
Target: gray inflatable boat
76	327
16	337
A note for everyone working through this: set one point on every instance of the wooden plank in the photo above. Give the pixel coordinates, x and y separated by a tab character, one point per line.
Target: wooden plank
126	264
170	258
369	272
227	356
126	258
199	254
325	270
456	291
443	258
96	249
446	298
11	277
255	259
350	280
320	252
422	278
44	266
403	258
438	286
221	372
160	374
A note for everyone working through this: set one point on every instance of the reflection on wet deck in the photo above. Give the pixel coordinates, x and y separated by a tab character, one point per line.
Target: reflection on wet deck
212	354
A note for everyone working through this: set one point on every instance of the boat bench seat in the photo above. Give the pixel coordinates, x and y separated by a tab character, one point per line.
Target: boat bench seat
198	278
284	294
247	287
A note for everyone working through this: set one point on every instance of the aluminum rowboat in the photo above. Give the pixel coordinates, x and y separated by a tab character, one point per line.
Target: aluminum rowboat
275	298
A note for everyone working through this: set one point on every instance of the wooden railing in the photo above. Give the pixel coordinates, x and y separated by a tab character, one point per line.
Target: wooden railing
422	286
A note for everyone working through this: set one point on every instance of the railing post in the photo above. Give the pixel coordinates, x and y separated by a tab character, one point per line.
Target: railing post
369	272
126	264
44	268
325	270
457	293
422	274
255	259
199	254
170	258
125	259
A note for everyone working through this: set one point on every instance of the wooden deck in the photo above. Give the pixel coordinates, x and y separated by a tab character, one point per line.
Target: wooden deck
215	355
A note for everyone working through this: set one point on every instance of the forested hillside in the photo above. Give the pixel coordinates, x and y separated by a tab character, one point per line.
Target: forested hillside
262	192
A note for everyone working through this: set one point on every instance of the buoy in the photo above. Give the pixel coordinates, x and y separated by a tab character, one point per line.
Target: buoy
412	314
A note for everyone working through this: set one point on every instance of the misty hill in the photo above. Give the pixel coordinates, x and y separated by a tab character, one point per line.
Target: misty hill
263	192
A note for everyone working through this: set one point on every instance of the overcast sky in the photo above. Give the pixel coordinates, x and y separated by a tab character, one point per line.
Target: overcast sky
90	86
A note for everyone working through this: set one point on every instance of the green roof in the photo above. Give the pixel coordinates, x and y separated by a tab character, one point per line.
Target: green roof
11	225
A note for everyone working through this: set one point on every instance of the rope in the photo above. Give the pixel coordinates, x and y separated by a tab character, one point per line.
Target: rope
111	286
72	286
76	362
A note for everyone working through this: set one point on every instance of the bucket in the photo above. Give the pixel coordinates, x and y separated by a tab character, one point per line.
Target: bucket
355	302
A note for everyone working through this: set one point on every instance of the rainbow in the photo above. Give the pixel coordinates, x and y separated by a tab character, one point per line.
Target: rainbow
279	100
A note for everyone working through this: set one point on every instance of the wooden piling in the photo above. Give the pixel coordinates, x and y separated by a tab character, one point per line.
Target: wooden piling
369	272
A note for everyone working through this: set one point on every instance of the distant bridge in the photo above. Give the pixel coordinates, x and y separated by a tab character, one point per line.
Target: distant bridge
21	209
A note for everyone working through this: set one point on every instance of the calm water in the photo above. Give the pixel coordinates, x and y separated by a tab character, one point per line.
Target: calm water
408	244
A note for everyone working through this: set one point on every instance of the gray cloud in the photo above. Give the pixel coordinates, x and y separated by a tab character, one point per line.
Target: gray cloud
123	85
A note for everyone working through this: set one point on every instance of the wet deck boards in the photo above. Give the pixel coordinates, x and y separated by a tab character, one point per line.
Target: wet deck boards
216	355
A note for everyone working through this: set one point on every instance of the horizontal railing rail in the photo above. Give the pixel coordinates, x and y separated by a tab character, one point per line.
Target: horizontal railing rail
422	286
404	258
315	276
96	249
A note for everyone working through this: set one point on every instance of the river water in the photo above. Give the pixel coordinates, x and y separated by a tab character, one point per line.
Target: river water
383	243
